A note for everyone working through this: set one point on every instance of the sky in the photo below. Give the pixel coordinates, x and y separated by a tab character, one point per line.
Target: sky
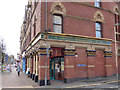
11	18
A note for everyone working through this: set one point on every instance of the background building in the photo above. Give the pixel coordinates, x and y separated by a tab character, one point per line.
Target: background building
77	40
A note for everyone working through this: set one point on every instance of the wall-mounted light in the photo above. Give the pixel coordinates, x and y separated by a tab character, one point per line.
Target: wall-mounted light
44	44
109	48
71	46
76	55
49	30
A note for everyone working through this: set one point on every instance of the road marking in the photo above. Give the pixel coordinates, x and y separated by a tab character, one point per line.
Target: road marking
18	87
107	82
92	84
95	84
112	87
84	85
114	81
77	86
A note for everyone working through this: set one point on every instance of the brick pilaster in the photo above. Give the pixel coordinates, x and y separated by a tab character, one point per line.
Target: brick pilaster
109	63
42	60
90	63
69	64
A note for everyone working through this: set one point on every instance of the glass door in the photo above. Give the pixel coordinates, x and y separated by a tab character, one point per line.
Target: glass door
57	68
52	69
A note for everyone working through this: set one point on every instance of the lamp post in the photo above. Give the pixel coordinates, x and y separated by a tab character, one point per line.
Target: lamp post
47	49
116	49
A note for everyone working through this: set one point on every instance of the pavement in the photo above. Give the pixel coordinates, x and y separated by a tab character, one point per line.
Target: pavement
12	80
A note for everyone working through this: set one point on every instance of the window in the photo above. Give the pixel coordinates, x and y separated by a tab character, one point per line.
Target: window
34	28
35	3
30	36
98	30
57	24
117	27
34	25
97	3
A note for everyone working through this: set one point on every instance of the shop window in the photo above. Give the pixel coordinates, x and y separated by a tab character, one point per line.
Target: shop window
98	30
57	24
97	3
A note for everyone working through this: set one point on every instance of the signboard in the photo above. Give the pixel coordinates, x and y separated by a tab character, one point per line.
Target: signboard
81	65
78	39
23	64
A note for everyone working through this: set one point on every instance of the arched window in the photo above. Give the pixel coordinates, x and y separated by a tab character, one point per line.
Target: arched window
98	28
58	11
57	24
99	19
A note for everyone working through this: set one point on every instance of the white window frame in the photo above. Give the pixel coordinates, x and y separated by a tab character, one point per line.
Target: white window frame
57	25
97	3
98	30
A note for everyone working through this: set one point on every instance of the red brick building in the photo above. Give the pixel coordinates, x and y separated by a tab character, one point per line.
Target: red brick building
76	39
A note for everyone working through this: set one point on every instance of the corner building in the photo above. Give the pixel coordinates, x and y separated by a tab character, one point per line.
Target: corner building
78	40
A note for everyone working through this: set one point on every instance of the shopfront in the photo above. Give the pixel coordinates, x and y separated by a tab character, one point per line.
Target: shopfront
57	64
57	68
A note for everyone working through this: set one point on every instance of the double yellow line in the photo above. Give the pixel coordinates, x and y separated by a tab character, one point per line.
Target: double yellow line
84	85
92	84
112	81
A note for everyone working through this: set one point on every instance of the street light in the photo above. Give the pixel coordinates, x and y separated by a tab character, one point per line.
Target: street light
117	24
47	49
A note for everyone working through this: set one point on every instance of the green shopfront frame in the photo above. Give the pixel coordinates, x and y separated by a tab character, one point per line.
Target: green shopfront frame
57	68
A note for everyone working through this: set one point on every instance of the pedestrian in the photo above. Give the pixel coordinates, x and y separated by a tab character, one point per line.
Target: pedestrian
18	69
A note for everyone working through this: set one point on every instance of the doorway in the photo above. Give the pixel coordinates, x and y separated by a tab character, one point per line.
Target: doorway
57	68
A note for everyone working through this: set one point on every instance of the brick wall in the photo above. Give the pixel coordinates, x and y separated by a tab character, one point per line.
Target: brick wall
81	71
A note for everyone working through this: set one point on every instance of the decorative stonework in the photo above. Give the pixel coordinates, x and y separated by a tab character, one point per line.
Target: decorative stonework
29	3
108	48
116	10
91	66
98	17
70	52
91	47
108	53
108	65
90	53
58	8
43	51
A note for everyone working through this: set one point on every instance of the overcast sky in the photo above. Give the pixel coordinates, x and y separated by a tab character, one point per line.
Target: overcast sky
11	18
